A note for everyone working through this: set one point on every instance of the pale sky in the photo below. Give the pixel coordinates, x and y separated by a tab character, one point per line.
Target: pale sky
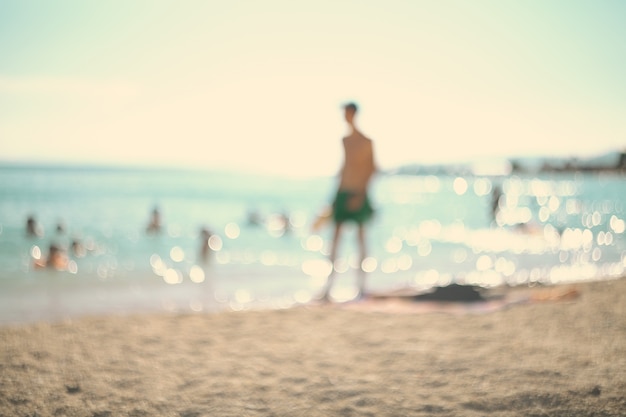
258	85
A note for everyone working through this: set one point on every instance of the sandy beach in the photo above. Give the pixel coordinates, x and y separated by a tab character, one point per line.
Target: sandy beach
536	358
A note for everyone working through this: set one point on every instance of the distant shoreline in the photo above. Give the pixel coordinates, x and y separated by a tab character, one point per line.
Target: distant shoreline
611	162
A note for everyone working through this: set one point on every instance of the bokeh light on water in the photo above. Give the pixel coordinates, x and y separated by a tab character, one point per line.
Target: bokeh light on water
547	230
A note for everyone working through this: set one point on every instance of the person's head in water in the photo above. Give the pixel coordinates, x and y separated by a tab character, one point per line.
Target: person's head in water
350	110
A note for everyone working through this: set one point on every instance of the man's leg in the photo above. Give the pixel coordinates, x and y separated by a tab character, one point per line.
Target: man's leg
332	258
362	256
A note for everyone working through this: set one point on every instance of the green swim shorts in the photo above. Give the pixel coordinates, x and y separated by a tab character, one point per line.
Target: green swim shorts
342	210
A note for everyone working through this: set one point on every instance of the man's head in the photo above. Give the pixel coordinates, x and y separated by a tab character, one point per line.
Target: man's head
350	111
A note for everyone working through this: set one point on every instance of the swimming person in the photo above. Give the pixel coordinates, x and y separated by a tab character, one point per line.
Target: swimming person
205	249
351	203
33	228
154	226
57	259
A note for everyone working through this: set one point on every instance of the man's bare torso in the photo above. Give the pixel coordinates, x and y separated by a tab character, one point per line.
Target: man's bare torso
358	166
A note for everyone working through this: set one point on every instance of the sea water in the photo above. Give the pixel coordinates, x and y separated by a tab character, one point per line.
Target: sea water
262	249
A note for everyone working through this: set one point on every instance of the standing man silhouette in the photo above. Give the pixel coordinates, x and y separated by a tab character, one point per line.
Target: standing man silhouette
351	202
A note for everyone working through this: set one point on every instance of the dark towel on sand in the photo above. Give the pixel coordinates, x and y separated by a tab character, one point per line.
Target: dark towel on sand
453	292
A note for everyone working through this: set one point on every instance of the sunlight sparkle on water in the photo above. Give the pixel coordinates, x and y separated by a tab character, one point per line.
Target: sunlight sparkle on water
574	239
232	230
484	263
173	276
341	266
482	187
394	244
504	266
317	267
341	294
604	238
513	215
158	266
459	255
313	243
369	264
196	274
177	254
215	243
430	228
424	248
544	214
489	278
35	252
460	185
426	278
277	224
618	225
389	266
456	232
596	254
297	219
404	262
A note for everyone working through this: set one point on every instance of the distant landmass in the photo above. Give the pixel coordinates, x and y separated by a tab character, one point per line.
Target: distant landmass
609	162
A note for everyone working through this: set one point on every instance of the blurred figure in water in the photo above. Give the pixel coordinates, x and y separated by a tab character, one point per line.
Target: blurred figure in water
351	203
78	249
254	218
621	164
205	249
278	224
496	195
33	229
286	222
60	227
154	226
56	259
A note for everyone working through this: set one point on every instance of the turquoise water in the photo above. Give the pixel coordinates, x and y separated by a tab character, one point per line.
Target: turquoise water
428	230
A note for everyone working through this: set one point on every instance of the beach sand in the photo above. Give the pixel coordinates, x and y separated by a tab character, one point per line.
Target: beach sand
535	358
